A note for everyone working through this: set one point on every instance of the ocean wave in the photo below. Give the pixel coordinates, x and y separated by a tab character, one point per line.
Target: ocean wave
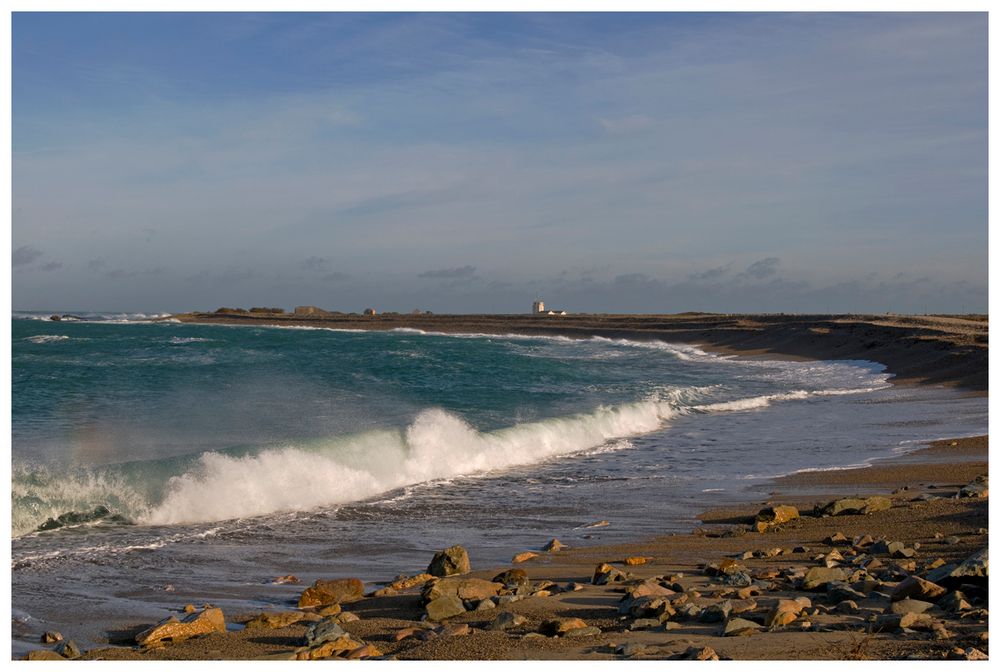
46	338
184	340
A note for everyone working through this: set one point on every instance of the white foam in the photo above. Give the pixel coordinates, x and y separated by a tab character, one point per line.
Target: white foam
46	338
437	445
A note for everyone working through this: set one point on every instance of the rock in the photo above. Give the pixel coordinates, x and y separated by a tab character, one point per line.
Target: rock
978	488
783	612
976	566
605	574
737	627
837	539
634	560
908	606
818	577
512	577
589	631
599	523
51	637
901	621
332	591
328	609
776	515
453	560
275	620
506	621
630	649
454	630
288	578
648	587
716	613
839	591
554	546
327	630
190	609
366	651
524	557
405	633
554	627
462	588
967	654
204	622
645	624
846	607
856	505
444	607
697	653
737	579
485	605
954	602
385	592
914	586
68	649
42	654
407	582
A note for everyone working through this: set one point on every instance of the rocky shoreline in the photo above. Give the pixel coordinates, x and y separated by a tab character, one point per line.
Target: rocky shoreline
900	575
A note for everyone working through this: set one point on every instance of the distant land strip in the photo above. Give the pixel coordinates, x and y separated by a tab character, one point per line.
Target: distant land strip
921	349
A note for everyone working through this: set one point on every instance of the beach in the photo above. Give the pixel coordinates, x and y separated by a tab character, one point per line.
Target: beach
841	623
722	574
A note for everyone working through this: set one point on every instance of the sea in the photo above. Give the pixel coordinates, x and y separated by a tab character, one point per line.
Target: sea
156	463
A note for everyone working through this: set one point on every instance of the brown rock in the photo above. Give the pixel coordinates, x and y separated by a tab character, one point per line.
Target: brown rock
366	651
444	607
454	630
555	627
407	582
462	588
288	578
524	557
916	587
42	654
512	577
633	560
275	620
777	515
51	637
554	546
332	591
202	623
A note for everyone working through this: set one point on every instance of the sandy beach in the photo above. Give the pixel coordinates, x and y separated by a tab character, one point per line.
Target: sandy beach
776	578
849	619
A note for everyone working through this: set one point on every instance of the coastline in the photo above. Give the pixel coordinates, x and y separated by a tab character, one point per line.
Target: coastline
926	350
942	528
937	468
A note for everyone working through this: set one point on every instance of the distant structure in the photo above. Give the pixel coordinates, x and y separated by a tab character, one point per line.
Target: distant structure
370	311
538	308
310	310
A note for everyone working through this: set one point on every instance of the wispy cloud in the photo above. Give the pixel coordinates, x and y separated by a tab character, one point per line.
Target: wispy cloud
450	273
24	255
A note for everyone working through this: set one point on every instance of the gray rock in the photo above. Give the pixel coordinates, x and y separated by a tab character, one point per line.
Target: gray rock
838	591
506	621
326	630
716	613
68	649
644	624
737	580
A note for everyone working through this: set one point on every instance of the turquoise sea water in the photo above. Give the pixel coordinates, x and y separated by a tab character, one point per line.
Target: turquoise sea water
228	455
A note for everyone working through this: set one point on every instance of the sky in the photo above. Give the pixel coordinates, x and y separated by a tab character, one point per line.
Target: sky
475	162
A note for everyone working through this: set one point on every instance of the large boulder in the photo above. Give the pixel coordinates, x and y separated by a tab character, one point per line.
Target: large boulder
462	588
453	560
974	569
202	623
332	591
856	506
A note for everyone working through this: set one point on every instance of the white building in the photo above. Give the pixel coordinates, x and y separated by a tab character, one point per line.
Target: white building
538	307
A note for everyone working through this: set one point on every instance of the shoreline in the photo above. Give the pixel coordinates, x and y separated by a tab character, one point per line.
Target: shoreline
924	516
921	472
925	350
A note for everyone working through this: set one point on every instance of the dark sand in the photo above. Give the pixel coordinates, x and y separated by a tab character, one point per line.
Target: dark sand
941	350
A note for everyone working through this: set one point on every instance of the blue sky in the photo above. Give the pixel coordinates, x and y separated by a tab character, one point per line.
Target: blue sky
469	162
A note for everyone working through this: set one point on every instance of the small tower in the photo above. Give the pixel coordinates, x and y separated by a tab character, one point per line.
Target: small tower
538	306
